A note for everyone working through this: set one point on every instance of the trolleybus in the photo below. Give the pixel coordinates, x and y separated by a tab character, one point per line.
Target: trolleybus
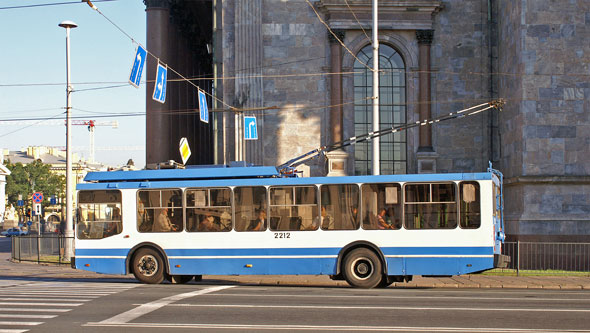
180	224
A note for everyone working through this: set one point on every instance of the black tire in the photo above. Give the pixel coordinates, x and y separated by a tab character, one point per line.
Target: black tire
180	279
148	266
362	268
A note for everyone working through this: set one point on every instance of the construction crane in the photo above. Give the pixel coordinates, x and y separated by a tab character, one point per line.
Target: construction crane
91	124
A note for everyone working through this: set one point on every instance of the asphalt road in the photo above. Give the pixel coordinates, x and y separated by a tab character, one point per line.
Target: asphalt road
66	302
200	307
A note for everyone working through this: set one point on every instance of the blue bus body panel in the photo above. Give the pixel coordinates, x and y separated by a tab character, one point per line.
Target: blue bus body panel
296	261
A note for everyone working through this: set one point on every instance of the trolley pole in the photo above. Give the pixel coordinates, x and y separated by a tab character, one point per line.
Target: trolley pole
69	232
376	167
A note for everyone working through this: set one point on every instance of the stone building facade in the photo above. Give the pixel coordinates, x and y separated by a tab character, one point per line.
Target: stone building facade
301	67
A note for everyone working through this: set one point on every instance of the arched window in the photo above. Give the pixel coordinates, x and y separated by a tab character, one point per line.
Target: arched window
392	110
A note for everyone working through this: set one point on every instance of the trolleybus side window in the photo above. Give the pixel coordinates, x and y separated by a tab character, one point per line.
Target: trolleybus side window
293	208
339	210
470	205
382	207
250	208
159	210
430	206
208	209
99	214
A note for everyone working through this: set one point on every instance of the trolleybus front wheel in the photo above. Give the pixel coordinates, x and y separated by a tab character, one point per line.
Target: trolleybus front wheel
148	266
362	268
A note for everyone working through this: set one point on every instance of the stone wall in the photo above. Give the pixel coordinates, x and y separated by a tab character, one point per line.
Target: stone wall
546	132
460	60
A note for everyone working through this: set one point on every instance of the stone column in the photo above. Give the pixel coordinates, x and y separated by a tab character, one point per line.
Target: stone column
157	121
336	158
426	155
249	54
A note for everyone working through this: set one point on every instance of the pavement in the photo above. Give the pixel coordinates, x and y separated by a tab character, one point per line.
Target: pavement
10	270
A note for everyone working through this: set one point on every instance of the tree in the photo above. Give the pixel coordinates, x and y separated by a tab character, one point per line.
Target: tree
30	178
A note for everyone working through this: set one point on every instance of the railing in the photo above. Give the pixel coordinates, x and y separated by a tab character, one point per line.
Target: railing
40	249
547	258
529	257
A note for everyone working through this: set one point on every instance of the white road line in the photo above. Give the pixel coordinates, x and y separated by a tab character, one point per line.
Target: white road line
57	296
333	328
340	307
33	310
41	304
413	297
155	305
23	316
13	331
42	299
21	323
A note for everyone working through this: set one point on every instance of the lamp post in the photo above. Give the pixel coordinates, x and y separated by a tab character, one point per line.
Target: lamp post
376	157
69	232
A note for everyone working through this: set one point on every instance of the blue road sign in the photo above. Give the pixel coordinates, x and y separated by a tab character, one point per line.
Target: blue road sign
203	109
250	132
53	200
137	69
20	203
160	85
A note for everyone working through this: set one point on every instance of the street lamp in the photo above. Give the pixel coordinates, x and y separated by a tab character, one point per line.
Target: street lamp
69	232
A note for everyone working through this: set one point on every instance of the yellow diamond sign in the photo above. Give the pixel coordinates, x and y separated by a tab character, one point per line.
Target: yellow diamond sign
185	150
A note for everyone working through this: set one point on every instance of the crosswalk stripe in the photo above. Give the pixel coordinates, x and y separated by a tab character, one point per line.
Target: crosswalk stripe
41	304
21	323
23	294
23	316
33	310
41	299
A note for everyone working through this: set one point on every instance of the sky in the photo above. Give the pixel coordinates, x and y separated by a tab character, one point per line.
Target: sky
33	77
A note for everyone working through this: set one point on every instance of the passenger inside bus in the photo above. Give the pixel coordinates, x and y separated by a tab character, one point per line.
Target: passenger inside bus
259	223
207	223
163	223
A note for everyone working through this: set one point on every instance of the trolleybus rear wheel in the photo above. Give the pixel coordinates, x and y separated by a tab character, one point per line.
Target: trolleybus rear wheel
362	268
148	266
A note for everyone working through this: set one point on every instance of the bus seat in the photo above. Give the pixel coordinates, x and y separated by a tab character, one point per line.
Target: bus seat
295	223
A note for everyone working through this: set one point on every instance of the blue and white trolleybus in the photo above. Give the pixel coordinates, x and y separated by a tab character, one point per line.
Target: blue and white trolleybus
371	231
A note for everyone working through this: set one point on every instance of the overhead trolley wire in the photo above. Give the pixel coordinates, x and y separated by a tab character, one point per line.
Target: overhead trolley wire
50	4
155	57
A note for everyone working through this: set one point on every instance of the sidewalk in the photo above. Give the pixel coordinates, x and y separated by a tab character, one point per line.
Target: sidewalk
33	271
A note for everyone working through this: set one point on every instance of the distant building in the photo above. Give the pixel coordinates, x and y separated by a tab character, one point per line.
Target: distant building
56	157
436	56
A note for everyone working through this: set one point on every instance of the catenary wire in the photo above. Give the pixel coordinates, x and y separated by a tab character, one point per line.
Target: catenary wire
50	4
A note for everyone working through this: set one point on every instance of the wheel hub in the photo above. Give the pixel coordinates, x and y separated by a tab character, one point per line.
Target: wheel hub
147	265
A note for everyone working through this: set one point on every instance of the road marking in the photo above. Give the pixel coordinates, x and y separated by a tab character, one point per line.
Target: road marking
12	331
41	304
21	323
413	297
341	307
33	310
56	295
155	305
23	316
331	328
42	299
